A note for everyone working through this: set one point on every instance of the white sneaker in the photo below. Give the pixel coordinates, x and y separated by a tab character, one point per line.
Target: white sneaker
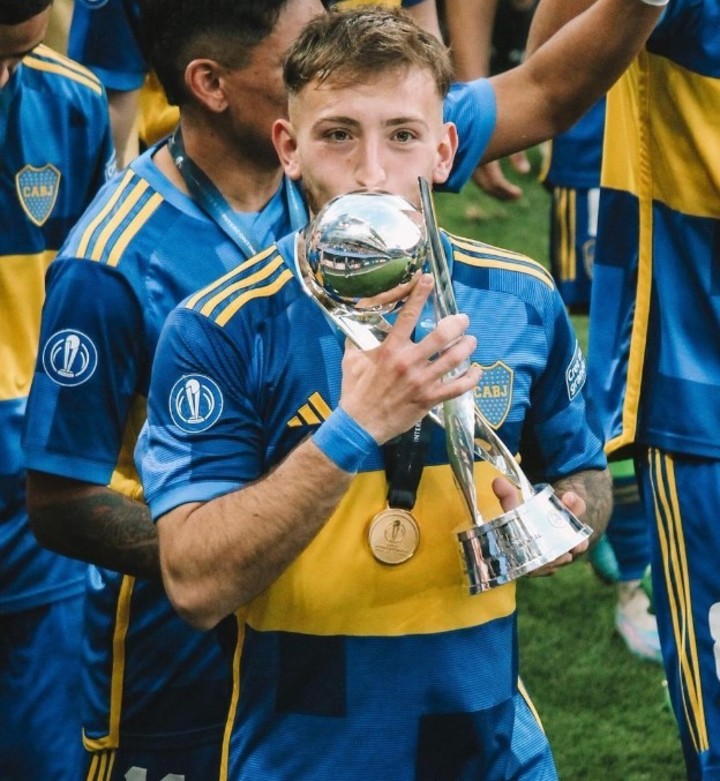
635	623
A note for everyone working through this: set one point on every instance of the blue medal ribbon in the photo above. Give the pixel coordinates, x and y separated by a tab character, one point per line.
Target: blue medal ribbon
213	203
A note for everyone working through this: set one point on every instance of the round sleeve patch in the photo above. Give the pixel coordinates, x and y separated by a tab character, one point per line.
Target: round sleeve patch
196	403
69	357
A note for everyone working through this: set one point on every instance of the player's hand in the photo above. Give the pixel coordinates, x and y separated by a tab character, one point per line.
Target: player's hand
510	498
388	389
491	180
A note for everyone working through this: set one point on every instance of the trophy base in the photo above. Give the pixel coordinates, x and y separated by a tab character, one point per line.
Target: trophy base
519	541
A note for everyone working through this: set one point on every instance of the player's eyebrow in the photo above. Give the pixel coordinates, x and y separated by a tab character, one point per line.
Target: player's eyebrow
349	121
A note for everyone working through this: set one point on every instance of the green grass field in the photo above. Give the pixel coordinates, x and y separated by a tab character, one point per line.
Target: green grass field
602	708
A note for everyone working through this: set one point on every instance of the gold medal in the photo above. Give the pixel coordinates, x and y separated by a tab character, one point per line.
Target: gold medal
394	536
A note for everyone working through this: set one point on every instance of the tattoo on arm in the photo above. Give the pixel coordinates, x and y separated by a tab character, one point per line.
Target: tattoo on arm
595	488
102	527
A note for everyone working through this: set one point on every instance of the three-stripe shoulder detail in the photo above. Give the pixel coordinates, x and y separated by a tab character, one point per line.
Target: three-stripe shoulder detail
476	253
258	277
45	59
119	220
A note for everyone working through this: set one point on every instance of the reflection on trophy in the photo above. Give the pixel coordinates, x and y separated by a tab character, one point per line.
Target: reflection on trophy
355	259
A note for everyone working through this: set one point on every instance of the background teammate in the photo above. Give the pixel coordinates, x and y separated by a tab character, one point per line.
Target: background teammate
55	152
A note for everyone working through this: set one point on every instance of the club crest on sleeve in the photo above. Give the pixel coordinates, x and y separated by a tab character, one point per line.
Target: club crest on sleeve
69	357
493	394
196	403
575	373
37	189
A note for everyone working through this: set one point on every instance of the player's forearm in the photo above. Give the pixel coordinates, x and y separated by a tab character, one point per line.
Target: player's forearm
470	26
560	81
123	107
594	487
426	16
582	61
549	17
94	524
218	556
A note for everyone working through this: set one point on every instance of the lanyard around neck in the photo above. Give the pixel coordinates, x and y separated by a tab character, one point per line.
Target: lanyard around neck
213	203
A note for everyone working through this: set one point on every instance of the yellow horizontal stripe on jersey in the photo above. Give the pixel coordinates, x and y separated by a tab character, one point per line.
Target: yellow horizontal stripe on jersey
235	271
680	137
22	284
102	214
62	70
121	243
256	292
337	587
50	54
114	222
247	280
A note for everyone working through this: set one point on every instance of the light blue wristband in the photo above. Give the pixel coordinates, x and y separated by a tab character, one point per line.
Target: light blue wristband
344	441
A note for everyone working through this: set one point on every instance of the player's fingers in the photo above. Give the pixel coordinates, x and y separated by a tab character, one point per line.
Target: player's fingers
507	494
411	310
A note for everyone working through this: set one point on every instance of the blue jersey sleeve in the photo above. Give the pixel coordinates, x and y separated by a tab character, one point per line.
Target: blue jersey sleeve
86	373
203	436
472	108
103	37
562	433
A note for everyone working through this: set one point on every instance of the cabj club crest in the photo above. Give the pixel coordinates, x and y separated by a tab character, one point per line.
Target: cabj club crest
493	393
37	190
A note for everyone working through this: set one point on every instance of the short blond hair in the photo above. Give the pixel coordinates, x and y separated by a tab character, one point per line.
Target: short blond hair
347	45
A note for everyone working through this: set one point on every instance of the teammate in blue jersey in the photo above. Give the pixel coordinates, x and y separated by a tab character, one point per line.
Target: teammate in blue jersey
346	666
55	152
655	359
156	691
572	176
147	242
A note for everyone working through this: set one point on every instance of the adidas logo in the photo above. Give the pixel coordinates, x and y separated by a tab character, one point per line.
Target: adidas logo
311	414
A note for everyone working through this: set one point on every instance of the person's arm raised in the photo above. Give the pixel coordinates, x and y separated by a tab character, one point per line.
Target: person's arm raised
219	555
562	78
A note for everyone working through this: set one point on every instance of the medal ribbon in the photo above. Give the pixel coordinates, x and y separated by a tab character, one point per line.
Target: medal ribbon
214	204
404	463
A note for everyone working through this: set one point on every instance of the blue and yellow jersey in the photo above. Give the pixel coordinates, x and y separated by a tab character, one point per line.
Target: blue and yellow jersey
574	157
140	248
654	360
56	153
343	653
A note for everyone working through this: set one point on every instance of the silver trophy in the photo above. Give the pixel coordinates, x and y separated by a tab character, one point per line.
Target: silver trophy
355	260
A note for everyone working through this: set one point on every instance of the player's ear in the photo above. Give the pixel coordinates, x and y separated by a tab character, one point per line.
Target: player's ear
204	81
445	153
285	141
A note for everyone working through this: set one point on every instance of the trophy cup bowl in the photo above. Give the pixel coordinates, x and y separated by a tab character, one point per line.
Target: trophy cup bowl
363	246
354	260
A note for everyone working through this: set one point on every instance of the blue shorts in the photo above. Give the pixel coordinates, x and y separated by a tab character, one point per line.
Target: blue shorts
196	763
40	724
684	495
573	228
